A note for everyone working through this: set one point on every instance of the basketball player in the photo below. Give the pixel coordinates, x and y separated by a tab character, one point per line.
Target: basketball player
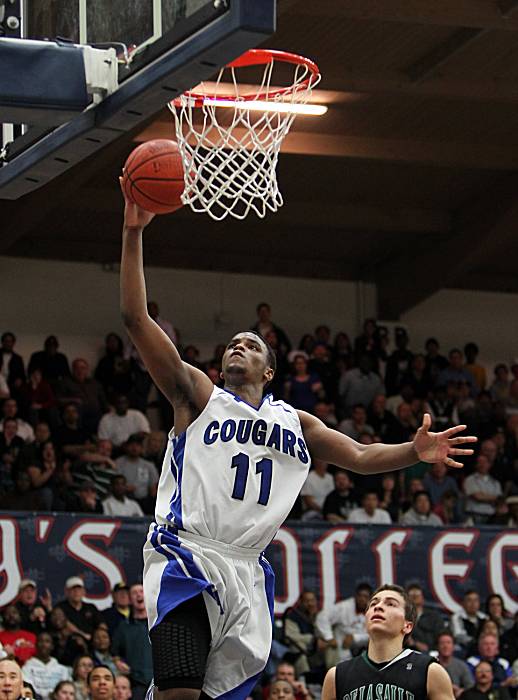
234	465
386	671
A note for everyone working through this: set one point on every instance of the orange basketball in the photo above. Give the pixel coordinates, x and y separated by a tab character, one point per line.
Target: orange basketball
152	176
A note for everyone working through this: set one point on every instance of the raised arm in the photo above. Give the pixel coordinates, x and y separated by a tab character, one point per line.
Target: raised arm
336	448
182	384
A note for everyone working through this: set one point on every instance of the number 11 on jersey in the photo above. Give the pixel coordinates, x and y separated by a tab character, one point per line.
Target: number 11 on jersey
241	463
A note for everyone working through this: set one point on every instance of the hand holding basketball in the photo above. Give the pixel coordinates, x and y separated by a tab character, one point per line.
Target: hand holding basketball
134	216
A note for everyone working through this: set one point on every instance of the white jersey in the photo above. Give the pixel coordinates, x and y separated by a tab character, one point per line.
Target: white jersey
235	473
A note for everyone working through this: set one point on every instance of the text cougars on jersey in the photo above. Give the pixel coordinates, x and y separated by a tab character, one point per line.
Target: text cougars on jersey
260	433
379	691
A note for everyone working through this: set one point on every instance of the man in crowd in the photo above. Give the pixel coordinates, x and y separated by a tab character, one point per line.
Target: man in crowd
11	681
286	672
466	623
458	670
11	364
369	513
23	429
318	485
488	651
141	475
482	491
43	671
437	482
84	616
15	640
341	501
118	504
484	688
123	422
101	683
122	688
421	511
131	643
85	392
359	385
428	625
344	622
53	364
301	636
120	610
357	424
30	607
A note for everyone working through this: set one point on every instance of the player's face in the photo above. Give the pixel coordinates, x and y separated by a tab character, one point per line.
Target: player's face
385	615
246	357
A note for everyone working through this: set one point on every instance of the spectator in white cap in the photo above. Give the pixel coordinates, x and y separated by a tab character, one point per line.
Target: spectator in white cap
32	609
84	616
11	682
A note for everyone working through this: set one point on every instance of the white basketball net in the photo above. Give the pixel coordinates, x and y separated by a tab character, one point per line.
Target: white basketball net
230	152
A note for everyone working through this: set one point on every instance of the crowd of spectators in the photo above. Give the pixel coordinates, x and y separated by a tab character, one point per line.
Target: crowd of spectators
76	440
53	650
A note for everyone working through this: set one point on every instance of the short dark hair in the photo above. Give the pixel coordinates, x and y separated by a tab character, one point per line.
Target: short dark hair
445	633
470	347
6	334
261	305
95	669
420	493
410	611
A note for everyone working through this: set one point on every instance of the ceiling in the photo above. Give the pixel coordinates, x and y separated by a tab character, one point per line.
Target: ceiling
410	181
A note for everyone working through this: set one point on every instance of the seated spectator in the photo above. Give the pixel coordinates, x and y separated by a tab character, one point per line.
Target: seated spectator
437	481
264	324
372	343
418	378
511	403
326	413
466	623
23	497
85	392
11	364
131	643
101	655
281	690
302	390
344	622
43	670
11	448
318	485
300	635
122	688
120	610
23	429
43	475
322	365
83	665
442	408
399	363
154	447
509	641
477	370
11	681
84	616
52	364
341	501
449	509
113	370
428	625
32	608
455	372
389	496
37	399
458	670
64	690
101	683
484	688
286	672
141	475
95	465
482	491
359	386
488	651
369	513
342	350
405	426
357	424
383	422
71	437
16	641
118	504
85	500
125	421
499	389
496	611
421	512
69	641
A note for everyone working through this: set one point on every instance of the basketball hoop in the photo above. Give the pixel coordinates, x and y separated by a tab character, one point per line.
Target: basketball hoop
230	146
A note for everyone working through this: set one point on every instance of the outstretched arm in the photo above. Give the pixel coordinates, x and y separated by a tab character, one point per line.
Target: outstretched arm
181	383
336	448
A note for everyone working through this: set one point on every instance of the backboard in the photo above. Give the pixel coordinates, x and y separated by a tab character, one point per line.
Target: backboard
163	47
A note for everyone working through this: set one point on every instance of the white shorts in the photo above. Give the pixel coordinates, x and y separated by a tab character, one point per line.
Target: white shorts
238	588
